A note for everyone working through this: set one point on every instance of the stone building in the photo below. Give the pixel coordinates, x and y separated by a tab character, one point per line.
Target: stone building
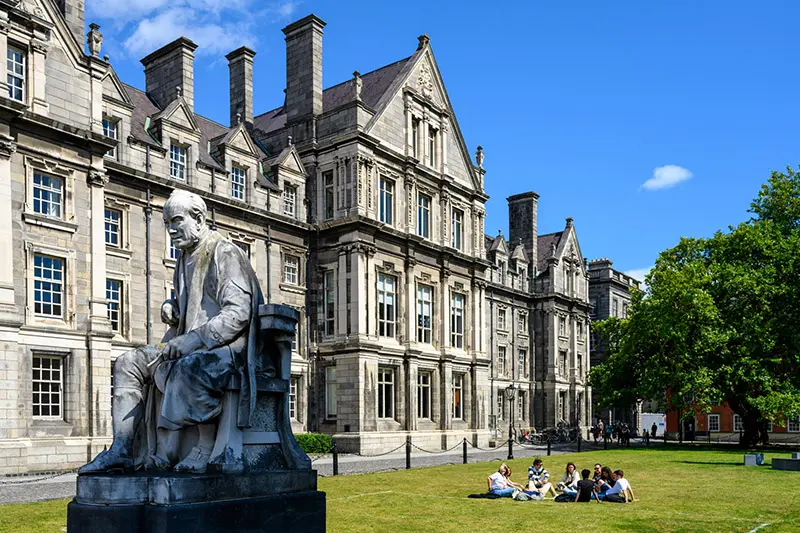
537	299
609	296
358	204
86	163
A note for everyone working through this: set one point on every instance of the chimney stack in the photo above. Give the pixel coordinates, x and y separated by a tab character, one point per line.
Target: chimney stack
303	71
73	13
523	212
240	64
169	72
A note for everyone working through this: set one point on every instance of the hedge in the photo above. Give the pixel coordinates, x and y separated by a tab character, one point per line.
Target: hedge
314	442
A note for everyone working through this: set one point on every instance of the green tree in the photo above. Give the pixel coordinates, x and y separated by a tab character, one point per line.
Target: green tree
719	322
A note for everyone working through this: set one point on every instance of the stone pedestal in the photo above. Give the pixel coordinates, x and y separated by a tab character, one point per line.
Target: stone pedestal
792	465
285	501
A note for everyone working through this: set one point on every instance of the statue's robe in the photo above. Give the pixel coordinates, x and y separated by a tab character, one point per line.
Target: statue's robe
217	297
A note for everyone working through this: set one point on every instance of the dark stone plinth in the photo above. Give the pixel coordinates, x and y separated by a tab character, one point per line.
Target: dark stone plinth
285	501
786	464
299	512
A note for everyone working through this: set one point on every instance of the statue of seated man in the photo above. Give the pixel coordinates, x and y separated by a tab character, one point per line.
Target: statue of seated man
214	334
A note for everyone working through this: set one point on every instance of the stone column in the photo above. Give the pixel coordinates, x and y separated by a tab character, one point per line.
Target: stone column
410	183
443	141
8	146
446	396
341	291
4	27
362	285
98	71
410	322
444	310
444	214
407	104
37	77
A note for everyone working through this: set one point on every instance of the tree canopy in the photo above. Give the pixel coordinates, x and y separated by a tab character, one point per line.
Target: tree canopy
720	321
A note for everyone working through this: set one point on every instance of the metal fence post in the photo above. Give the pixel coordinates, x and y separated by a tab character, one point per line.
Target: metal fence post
408	452
579	442
548	446
464	449
335	460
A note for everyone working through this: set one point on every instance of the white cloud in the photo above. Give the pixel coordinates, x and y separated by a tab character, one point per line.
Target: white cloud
666	177
210	36
142	26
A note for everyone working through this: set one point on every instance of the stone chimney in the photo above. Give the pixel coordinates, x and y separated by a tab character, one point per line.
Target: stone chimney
303	73
240	64
523	213
73	12
169	71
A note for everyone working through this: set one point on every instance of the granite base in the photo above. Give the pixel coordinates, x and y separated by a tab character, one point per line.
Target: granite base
285	501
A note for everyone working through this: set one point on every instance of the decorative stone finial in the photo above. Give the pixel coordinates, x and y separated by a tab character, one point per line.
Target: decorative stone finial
95	39
569	221
357	84
479	157
106	58
238	118
291	143
178	91
424	41
552	249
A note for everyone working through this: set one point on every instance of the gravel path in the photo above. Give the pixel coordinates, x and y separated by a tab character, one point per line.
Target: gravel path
33	489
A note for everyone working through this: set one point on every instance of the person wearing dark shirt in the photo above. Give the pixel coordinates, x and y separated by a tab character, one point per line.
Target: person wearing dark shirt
585	488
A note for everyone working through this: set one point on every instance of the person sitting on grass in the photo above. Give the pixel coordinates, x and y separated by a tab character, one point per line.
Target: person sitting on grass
501	485
605	482
598	472
618	493
539	478
568	482
585	488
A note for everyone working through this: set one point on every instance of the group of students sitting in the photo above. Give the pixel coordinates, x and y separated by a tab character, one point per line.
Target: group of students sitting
604	485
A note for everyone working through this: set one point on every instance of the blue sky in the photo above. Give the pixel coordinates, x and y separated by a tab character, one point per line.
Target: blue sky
645	121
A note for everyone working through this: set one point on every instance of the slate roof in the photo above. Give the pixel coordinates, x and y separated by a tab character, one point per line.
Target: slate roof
543	243
374	85
144	107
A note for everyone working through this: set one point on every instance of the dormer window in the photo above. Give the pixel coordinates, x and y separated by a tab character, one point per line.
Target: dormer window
177	162
289	201
111	131
238	180
15	69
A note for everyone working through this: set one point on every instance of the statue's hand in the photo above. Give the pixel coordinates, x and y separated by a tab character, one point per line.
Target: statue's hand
169	313
182	345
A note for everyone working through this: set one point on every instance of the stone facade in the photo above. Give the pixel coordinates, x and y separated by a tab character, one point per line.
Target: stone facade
609	296
359	205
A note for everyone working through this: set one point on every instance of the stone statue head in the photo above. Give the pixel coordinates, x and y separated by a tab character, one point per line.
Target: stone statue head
185	218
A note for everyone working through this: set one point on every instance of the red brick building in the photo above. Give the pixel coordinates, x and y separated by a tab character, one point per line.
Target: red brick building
724	424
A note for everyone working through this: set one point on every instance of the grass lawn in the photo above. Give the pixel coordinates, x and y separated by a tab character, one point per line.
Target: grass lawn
679	490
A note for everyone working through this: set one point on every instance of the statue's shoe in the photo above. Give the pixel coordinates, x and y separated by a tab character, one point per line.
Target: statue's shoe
195	462
158	463
107	461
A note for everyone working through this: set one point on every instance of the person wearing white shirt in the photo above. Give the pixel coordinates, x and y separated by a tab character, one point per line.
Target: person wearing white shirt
500	484
618	493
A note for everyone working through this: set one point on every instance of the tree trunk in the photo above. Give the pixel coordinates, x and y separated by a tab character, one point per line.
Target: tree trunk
750	420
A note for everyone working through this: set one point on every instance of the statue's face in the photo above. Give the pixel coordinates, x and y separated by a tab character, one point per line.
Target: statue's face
183	229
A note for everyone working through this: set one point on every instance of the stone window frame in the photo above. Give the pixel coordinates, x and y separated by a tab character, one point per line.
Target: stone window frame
289	201
243	239
383	385
454	336
420	387
502	370
384	324
126	331
294	385
175	143
428	218
169	261
458	410
391	206
563	363
432	146
324	174
502	323
287	275
68	319
793	424
562	405
426	282
715	416
66	222
522	362
25	53
62	360
331	393
457	239
500	404
522	324
122	250
521	403
236	166
114	153
329	323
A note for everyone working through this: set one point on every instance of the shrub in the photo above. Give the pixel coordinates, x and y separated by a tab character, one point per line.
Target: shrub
314	442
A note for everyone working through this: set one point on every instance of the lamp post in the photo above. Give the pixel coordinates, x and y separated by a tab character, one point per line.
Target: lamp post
511	392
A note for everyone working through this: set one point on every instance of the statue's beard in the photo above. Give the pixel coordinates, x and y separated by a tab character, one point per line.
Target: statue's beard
193	236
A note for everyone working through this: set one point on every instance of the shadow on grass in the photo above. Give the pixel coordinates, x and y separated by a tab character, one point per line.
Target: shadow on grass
719	463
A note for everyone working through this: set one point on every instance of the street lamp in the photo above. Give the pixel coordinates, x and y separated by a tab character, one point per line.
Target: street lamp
511	393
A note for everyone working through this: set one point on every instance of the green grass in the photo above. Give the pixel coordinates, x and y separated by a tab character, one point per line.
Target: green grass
679	490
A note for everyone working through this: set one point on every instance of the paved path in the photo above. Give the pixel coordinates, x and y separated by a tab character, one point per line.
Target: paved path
32	489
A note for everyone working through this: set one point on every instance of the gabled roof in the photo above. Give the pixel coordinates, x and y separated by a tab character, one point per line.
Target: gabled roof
543	245
519	254
499	244
374	84
144	107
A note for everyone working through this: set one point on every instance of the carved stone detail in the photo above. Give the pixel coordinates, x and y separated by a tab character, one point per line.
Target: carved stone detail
7	146
425	81
97	178
94	39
